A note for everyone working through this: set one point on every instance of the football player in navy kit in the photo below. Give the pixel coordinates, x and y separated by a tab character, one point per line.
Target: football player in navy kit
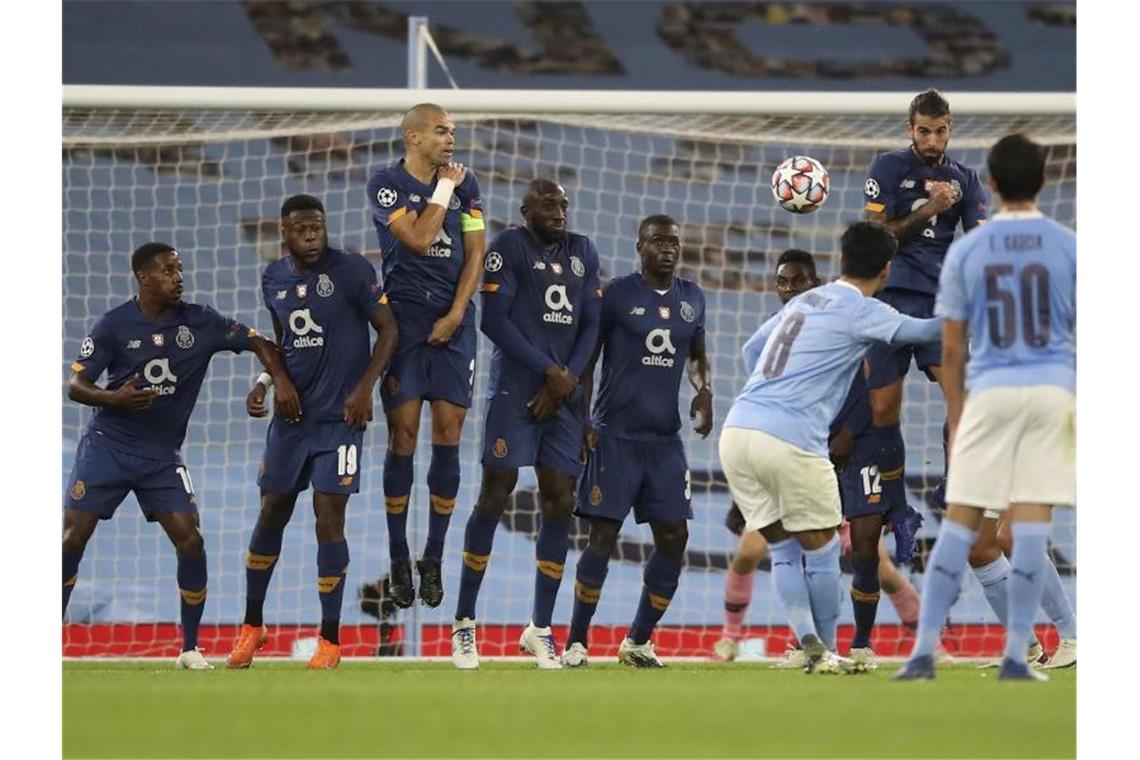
155	349
429	220
541	306
920	194
322	301
652	335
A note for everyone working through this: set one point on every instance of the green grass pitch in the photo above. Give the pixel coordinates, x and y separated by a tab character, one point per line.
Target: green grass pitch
408	709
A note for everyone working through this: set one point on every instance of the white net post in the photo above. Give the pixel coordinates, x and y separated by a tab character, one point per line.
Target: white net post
206	170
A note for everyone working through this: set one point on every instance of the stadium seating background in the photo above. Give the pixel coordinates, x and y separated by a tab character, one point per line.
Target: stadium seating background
987	45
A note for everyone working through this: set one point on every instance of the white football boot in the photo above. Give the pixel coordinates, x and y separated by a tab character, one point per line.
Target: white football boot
864	659
1064	657
638	655
540	642
575	656
464	654
725	649
192	660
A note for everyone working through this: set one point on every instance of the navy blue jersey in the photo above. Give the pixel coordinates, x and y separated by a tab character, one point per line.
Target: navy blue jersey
547	292
646	337
409	276
897	185
170	356
324	313
855	414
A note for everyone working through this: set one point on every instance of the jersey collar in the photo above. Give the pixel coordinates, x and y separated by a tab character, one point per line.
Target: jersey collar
846	284
1014	215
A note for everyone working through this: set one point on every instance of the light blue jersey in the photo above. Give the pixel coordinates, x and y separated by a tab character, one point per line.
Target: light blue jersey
803	360
1014	281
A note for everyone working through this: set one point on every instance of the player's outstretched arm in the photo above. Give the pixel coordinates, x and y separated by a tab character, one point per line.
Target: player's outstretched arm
700	375
358	405
954	371
286	400
419	231
126	396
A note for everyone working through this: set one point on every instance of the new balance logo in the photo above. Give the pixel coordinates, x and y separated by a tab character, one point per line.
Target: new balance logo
136	343
637	311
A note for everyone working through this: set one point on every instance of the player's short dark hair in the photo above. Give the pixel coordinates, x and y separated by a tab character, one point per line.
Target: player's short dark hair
1017	165
798	256
929	103
301	202
659	220
865	248
145	254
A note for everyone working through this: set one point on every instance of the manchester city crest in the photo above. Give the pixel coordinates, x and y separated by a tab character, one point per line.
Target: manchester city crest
688	313
184	338
324	286
577	267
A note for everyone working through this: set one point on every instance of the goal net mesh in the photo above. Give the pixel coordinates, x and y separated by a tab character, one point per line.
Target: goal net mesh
211	183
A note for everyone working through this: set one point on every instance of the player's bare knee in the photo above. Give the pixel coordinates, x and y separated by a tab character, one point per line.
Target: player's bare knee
75	538
276	511
558	505
671	538
188	542
447	431
401	439
603	536
865	554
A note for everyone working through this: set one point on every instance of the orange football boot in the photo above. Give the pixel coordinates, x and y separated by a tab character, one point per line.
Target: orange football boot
249	641
327	655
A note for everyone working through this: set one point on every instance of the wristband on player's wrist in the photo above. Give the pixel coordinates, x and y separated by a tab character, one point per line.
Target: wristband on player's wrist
443	190
265	379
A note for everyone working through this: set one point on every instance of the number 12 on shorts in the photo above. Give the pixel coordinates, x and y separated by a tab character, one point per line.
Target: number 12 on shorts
871	484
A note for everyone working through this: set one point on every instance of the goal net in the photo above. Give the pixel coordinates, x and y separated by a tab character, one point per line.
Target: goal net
210	177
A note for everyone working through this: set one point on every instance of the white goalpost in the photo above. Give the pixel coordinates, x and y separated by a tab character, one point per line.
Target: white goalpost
206	170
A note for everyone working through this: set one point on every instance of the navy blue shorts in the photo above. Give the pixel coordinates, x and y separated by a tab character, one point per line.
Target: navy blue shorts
890	363
328	454
860	490
421	370
652	478
513	438
102	477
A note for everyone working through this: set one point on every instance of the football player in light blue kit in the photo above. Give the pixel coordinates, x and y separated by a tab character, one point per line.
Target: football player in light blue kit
1008	291
774	444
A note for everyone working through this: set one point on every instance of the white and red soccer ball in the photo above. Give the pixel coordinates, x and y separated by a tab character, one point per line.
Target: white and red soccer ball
800	184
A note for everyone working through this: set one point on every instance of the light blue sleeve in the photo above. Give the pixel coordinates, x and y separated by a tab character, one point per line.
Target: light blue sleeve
952	300
876	321
754	346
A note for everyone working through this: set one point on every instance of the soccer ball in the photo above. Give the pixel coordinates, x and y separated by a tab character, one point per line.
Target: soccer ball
800	184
